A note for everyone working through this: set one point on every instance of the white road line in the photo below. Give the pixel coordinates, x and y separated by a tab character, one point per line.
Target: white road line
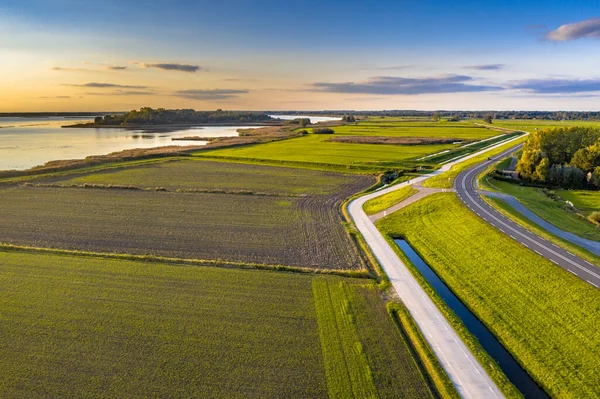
525	244
592	283
571	271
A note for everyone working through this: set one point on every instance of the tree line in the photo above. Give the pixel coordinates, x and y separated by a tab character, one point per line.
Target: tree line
161	116
562	157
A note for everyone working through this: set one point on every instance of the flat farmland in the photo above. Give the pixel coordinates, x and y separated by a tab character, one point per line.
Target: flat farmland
315	149
294	231
457	130
208	175
75	326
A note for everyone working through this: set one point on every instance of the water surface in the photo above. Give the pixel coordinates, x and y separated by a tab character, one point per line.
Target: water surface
513	370
28	142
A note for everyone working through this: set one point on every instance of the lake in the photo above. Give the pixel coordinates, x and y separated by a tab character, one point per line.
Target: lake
29	142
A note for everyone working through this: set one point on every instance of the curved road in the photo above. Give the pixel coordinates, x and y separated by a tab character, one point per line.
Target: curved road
468	376
465	188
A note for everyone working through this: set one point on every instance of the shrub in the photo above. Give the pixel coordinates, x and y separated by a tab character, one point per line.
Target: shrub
594	217
323	130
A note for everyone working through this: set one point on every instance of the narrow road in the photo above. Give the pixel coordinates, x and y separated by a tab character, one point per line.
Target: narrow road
468	376
466	190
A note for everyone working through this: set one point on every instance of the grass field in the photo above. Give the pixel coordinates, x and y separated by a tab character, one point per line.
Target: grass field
554	211
315	149
545	316
91	327
382	203
533	124
586	201
207	175
385	127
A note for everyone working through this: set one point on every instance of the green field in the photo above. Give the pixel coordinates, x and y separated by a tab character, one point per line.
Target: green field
382	203
315	149
89	327
555	211
386	127
587	201
545	316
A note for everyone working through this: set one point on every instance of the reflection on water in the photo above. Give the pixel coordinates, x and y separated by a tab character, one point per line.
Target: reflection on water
28	142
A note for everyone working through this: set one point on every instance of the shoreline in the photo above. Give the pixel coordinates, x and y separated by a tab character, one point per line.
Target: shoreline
93	125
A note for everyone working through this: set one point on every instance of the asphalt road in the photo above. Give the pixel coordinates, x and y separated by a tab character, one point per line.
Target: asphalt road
468	376
465	188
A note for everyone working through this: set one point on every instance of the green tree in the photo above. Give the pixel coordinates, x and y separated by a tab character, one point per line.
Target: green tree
541	171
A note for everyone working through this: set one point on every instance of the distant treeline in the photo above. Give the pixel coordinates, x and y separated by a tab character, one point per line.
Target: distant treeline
50	114
548	115
161	116
564	157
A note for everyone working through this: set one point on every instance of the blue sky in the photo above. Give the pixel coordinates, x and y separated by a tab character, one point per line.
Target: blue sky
299	54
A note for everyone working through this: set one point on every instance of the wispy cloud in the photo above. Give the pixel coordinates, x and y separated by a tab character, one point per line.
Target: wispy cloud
578	30
116	68
58	97
62	69
105	85
485	67
212	94
122	93
388	85
557	86
174	67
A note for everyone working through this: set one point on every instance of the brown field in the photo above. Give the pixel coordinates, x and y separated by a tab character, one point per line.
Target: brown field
299	226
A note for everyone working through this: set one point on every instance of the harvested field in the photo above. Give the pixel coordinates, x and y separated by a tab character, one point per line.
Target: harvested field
304	231
208	175
91	327
393	140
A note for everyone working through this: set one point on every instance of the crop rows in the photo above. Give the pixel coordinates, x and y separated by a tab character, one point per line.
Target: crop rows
208	175
89	327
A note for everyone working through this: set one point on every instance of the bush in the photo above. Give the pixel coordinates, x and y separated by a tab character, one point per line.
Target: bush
594	217
323	130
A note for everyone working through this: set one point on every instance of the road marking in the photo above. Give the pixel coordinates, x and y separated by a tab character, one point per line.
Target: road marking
538	252
553	261
572	271
592	283
525	244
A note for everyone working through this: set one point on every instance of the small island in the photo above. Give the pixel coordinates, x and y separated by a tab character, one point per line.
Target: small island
148	117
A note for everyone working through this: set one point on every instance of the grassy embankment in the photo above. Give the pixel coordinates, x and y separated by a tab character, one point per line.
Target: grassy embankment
95	327
388	200
552	210
208	211
546	317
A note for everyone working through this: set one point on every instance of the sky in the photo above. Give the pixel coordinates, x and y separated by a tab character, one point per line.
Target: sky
72	55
